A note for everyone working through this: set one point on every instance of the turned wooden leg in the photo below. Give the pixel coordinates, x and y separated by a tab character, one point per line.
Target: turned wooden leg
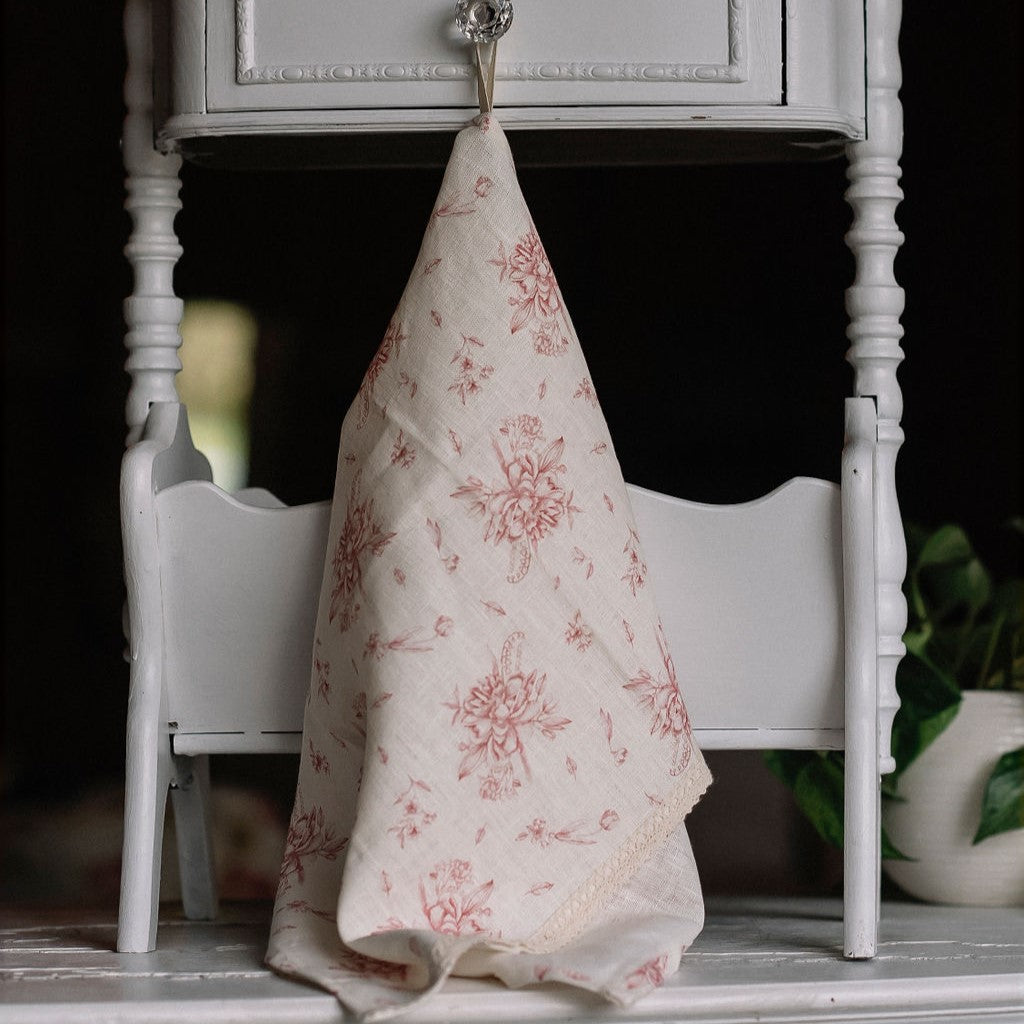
190	795
152	311
860	805
147	777
153	316
875	303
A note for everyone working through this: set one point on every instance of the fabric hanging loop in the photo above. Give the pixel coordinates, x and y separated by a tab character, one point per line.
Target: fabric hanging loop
485	77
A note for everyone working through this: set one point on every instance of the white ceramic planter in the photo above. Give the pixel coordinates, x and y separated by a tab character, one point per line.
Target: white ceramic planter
943	791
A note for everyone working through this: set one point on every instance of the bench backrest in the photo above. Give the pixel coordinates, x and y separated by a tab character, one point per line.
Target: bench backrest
750	596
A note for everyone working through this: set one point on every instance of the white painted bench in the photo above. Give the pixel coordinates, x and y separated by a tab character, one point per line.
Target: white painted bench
769	606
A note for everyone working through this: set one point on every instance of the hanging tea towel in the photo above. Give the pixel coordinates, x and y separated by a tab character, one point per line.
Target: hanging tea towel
496	759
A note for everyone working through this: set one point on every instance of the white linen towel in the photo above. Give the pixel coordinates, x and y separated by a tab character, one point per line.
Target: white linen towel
497	760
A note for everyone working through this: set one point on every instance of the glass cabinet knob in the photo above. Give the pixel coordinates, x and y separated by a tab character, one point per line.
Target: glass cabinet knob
483	21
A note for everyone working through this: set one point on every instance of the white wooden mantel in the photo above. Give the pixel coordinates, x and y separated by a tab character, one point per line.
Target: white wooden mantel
770	961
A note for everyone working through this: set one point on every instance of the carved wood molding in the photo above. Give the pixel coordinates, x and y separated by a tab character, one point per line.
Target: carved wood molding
248	72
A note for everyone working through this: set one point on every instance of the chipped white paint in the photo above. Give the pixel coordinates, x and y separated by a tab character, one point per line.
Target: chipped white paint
769	961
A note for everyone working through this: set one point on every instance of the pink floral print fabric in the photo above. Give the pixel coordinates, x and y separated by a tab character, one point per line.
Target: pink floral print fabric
497	761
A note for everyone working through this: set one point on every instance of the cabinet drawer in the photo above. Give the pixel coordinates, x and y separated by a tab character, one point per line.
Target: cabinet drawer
314	68
317	54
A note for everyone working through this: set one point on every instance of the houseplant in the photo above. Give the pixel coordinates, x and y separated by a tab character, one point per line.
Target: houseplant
958	738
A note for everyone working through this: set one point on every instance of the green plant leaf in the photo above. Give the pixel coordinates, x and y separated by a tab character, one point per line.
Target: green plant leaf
819	794
954	593
1004	667
946	546
916	537
929	701
947	589
913	737
890	790
925	686
1002	807
816	779
916	640
787	764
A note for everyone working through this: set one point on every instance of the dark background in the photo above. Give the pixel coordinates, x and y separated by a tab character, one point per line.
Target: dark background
709	301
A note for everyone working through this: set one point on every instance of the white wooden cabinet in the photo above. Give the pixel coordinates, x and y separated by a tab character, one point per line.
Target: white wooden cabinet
270	66
708	79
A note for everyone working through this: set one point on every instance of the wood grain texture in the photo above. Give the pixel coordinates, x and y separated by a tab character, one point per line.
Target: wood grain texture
771	961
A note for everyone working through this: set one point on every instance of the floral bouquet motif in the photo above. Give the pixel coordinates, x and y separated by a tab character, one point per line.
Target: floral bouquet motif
660	695
361	536
529	502
501	711
535	299
451	903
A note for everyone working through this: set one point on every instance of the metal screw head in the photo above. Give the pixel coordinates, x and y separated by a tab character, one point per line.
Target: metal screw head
483	21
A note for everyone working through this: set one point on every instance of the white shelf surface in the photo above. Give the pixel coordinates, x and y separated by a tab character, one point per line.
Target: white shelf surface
757	960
